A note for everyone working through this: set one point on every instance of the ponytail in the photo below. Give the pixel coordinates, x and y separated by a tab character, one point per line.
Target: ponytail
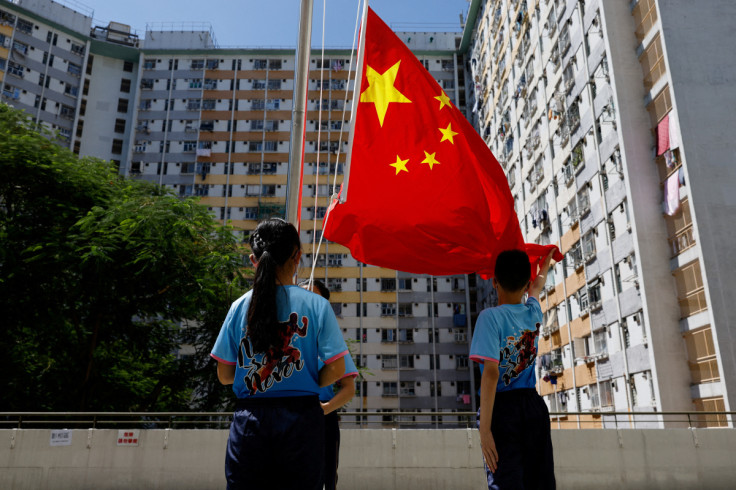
273	243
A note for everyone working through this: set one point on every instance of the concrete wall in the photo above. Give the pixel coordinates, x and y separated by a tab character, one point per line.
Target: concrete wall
372	459
660	307
699	50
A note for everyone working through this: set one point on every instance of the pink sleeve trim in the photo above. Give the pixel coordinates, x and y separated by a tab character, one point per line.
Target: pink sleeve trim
354	374
336	357
482	359
219	359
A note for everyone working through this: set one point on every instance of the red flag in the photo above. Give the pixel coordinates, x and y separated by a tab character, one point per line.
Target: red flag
537	254
425	194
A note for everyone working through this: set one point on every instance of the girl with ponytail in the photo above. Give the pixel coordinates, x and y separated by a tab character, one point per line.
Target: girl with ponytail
270	348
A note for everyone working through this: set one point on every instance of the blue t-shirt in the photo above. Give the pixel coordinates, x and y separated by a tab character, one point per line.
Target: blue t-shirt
326	393
309	332
508	335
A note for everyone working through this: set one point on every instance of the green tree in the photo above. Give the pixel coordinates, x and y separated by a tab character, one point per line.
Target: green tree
102	279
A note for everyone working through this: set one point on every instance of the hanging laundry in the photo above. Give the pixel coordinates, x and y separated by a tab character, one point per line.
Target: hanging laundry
672	194
681	174
674	130
670	159
553	379
466	399
337	65
663	135
204	152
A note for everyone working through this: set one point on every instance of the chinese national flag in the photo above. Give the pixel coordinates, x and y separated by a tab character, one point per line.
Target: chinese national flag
425	194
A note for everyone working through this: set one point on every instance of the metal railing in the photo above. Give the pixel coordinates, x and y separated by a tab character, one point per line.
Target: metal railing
597	418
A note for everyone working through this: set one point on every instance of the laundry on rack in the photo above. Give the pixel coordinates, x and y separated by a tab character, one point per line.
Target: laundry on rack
672	194
663	135
674	130
670	159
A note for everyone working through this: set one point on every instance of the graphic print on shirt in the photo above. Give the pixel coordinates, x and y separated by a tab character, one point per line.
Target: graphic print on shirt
518	354
278	363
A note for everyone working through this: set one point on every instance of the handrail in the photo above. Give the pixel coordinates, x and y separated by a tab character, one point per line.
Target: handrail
464	419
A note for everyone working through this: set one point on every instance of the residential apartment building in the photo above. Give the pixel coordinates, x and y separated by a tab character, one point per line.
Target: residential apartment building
609	119
175	109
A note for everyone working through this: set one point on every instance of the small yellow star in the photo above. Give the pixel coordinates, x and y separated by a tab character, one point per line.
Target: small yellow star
444	100
400	165
381	90
429	158
447	134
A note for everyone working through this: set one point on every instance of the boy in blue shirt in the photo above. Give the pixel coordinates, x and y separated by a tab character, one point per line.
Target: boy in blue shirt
513	419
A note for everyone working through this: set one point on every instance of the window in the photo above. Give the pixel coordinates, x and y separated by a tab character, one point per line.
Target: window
197	65
119	125
77	49
273	104
255	146
259	64
69	89
388	309
274	64
406	335
213	64
15	69
405	309
600	342
20	47
209	104
270	146
74	69
128	66
190	146
388	335
407	388
388	284
274	84
125	85
117	147
194	104
123	105
390	388
25	26
406	361
268	190
389	361
461	361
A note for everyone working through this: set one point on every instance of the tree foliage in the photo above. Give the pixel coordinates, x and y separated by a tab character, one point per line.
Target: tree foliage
102	280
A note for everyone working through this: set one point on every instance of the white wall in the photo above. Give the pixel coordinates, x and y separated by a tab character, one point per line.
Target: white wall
371	459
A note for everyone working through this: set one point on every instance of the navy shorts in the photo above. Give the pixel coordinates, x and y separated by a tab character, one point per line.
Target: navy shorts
332	449
521	430
276	443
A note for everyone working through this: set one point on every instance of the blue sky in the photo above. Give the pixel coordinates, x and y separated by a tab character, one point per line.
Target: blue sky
275	22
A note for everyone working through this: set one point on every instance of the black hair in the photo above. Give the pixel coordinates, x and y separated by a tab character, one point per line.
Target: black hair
513	270
273	243
319	286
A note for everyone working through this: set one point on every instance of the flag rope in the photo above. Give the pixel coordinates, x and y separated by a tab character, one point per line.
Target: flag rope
315	253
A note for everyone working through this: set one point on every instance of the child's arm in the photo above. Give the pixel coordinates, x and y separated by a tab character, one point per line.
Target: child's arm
343	395
538	284
331	372
226	373
487	397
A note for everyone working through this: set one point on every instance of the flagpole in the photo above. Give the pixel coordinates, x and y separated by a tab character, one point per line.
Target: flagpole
299	114
356	101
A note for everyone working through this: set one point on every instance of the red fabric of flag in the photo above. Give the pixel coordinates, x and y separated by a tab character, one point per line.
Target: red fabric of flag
537	254
425	194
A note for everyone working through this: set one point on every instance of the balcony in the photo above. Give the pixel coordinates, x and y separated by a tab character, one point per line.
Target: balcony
693	302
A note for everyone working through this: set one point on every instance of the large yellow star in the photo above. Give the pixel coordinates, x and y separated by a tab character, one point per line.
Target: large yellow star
400	165
430	159
444	100
381	90
447	133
